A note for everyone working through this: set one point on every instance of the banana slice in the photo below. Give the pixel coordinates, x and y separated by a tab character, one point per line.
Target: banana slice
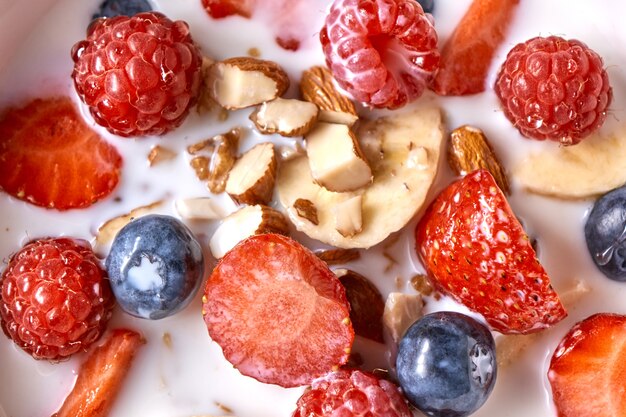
594	166
403	151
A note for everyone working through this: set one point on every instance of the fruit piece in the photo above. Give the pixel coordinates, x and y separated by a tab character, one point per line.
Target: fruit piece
553	88
587	371
287	117
279	314
400	312
218	9
155	266
605	233
317	87
447	364
350	392
51	158
427	5
56	299
383	52
251	180
101	376
399	187
597	163
139	75
467	54
112	8
477	252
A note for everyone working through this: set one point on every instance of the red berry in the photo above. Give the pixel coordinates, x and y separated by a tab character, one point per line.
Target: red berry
588	371
382	52
352	393
218	9
477	252
279	314
556	89
139	75
56	299
51	158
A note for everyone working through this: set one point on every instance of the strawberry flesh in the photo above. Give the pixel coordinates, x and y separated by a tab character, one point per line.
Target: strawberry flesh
477	252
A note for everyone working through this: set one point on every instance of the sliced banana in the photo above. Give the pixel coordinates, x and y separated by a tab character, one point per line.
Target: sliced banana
399	187
594	166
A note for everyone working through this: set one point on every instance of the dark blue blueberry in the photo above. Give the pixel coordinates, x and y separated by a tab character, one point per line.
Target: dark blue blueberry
110	8
427	5
605	232
447	364
155	266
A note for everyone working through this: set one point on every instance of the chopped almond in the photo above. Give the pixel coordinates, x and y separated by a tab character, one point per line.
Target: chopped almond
338	256
160	154
349	217
251	180
306	209
201	208
401	311
287	117
317	87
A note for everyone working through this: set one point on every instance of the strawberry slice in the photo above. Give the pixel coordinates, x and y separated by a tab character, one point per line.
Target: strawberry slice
588	371
51	158
279	314
101	376
467	54
219	9
477	252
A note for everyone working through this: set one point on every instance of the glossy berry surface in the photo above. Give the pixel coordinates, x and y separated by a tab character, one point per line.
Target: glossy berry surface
555	89
139	75
352	393
155	266
112	8
605	233
382	52
56	299
427	5
446	364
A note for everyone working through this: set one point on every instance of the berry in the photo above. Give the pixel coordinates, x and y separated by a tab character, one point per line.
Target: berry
218	9
477	252
279	314
468	53
101	376
51	158
588	372
139	75
352	393
382	52
427	5
556	89
605	233
155	266
56	299
446	364
112	8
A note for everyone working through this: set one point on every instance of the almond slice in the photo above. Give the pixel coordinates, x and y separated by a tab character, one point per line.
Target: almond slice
160	154
246	222
251	180
200	208
348	216
242	82
335	158
318	88
401	311
287	117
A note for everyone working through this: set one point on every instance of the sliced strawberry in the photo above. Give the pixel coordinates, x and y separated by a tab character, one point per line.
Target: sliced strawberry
279	314
477	252
218	9
588	371
101	376
51	158
467	55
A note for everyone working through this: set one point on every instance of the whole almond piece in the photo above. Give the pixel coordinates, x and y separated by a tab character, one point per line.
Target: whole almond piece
470	150
251	181
317	87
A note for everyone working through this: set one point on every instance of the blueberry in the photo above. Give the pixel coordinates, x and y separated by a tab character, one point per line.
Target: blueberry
427	5
155	266
447	364
111	8
605	233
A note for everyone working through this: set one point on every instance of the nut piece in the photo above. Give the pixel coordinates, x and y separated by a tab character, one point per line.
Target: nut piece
335	158
242	82
318	88
201	208
401	311
307	210
338	256
160	154
469	150
287	117
251	181
108	231
348	216
217	157
246	222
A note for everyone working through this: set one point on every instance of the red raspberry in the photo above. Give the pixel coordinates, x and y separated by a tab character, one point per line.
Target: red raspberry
556	89
55	298
139	75
352	393
382	52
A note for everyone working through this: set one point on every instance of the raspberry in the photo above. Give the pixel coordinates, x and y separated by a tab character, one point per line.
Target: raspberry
382	52
553	88
139	75
349	393
55	298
